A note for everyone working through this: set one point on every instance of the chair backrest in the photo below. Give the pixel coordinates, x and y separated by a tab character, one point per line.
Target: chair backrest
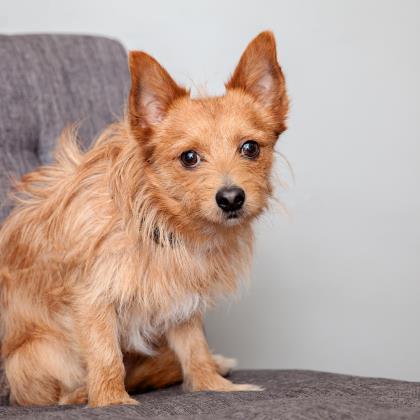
48	82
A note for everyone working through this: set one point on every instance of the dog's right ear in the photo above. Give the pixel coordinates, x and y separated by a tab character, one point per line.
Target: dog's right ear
152	92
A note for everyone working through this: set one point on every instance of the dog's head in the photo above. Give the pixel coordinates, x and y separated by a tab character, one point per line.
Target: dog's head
209	159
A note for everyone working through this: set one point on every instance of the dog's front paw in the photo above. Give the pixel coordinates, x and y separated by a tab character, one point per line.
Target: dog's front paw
246	387
224	365
219	384
123	399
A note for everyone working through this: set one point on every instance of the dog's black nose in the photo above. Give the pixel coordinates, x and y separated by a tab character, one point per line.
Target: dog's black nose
230	198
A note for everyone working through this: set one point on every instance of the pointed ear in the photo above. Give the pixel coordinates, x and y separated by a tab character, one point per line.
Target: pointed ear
152	92
259	74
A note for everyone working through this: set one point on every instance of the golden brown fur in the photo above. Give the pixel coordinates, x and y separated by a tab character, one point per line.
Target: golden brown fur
111	257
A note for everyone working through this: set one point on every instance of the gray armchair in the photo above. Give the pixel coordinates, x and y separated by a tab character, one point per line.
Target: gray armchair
49	81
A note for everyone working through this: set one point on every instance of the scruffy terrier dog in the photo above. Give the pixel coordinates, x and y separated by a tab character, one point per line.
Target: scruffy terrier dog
110	257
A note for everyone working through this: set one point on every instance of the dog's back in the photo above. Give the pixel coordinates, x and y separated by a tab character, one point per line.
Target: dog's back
36	327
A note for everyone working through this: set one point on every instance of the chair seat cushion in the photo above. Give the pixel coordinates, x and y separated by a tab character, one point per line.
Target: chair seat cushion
288	394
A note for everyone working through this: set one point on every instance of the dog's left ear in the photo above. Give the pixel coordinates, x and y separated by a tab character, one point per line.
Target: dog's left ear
259	74
152	92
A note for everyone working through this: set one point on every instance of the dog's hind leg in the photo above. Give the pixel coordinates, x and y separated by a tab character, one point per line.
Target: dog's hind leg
152	372
41	371
78	396
162	370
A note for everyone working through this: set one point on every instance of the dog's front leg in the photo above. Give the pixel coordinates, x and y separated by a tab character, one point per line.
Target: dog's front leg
199	367
100	346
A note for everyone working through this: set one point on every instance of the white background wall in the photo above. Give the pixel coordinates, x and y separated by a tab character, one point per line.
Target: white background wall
336	285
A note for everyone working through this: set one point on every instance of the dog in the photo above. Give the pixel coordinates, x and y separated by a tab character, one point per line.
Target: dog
111	257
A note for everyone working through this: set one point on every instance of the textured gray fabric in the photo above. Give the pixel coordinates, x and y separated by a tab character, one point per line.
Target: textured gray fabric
289	394
48	82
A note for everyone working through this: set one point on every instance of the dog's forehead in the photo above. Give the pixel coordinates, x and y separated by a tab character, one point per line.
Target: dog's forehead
230	114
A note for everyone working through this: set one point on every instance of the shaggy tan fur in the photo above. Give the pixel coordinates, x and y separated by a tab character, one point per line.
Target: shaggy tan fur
110	257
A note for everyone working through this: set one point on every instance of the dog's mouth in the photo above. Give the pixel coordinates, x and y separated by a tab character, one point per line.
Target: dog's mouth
233	217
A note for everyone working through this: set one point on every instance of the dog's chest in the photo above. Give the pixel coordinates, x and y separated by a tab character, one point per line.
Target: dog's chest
142	329
171	288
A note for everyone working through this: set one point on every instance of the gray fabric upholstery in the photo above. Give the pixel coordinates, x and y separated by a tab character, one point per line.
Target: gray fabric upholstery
289	394
48	82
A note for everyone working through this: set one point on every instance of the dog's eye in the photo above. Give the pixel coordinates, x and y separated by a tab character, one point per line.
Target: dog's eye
250	149
190	158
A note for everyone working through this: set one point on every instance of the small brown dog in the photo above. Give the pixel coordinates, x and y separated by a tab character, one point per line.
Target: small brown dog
110	257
